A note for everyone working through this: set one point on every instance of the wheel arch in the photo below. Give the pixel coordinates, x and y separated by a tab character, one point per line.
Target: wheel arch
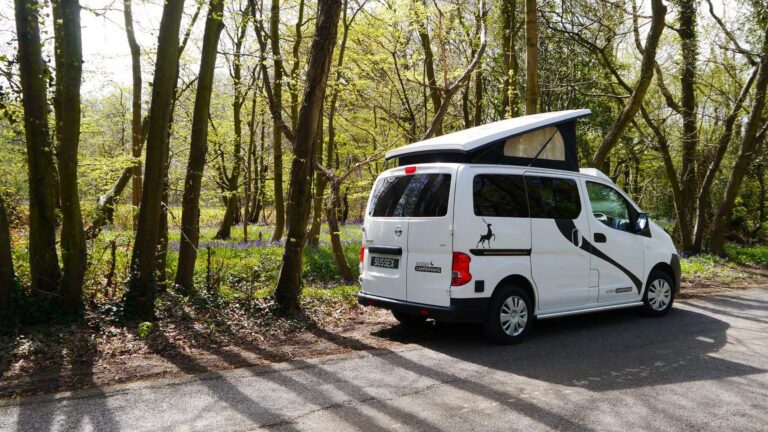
519	281
667	269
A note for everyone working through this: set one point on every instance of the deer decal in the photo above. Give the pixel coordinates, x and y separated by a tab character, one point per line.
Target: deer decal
487	236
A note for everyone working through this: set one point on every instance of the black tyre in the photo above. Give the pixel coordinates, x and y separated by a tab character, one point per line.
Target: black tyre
510	316
408	319
659	294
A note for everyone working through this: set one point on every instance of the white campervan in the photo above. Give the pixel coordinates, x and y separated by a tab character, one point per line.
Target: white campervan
497	224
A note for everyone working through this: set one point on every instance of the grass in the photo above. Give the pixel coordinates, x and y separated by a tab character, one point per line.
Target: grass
752	255
709	267
229	269
237	268
741	266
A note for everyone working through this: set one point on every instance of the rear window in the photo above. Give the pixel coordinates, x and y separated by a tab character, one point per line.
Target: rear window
419	195
553	198
499	195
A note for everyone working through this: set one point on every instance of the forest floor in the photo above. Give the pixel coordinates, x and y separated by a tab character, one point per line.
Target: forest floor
204	335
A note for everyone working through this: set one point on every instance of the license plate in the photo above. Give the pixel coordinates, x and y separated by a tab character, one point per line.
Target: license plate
377	261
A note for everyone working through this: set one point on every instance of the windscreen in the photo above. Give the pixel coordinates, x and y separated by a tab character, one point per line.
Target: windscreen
419	195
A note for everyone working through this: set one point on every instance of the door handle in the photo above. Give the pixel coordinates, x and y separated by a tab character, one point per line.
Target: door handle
600	238
575	237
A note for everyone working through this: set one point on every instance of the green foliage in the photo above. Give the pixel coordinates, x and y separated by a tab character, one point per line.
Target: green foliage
754	255
382	104
144	329
706	267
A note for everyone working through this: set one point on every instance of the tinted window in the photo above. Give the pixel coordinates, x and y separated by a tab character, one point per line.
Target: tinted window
553	198
499	195
420	195
609	206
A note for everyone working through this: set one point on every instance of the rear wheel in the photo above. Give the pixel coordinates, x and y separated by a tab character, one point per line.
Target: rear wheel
510	315
659	294
408	319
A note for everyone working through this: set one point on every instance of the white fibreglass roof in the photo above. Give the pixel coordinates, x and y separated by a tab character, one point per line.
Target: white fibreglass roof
473	138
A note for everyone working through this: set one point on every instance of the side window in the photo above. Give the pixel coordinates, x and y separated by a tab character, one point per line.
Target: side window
499	195
553	197
609	206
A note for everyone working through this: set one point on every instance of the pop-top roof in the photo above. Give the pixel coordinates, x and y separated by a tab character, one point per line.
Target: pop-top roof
475	138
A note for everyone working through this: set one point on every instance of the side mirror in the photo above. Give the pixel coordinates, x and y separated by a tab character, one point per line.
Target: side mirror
641	224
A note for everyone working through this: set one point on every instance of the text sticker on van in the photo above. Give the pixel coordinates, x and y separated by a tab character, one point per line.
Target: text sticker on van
427	267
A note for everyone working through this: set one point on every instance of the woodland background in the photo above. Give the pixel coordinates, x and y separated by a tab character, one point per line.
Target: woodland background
238	163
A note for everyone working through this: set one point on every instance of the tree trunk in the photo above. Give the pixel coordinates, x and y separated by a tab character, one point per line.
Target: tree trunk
232	198
7	275
43	259
321	53
745	156
635	101
139	300
344	208
683	223
465	106
333	227
250	156
322	181
293	86
318	190
461	80
509	102
713	170
478	116
277	135
198	149
429	64
69	61
755	234
261	175
105	204
531	59
161	257
690	139
136	123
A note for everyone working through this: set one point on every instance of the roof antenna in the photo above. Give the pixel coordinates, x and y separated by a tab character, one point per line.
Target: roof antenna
543	147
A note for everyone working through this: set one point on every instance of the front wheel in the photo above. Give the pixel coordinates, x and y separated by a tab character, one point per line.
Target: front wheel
510	315
659	294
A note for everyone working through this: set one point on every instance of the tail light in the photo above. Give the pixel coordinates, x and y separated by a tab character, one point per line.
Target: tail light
460	274
362	254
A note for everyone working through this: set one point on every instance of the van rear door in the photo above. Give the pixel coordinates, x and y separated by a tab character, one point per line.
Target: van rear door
430	241
385	238
407	236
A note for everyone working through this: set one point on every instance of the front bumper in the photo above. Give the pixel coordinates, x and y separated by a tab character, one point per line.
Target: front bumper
460	310
675	263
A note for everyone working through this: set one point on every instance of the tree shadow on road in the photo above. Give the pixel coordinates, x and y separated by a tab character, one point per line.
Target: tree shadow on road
313	389
245	405
741	308
53	411
600	352
512	401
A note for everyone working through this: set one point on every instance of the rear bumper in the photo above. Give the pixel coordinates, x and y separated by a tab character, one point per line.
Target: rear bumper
460	310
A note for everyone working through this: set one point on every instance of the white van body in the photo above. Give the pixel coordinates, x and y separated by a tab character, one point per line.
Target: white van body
569	239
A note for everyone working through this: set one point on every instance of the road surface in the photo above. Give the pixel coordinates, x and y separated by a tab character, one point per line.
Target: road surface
703	367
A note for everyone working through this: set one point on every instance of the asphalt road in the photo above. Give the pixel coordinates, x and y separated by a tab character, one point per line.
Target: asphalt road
703	367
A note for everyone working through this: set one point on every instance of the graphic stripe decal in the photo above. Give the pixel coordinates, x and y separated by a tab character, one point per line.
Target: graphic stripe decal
566	227
500	252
